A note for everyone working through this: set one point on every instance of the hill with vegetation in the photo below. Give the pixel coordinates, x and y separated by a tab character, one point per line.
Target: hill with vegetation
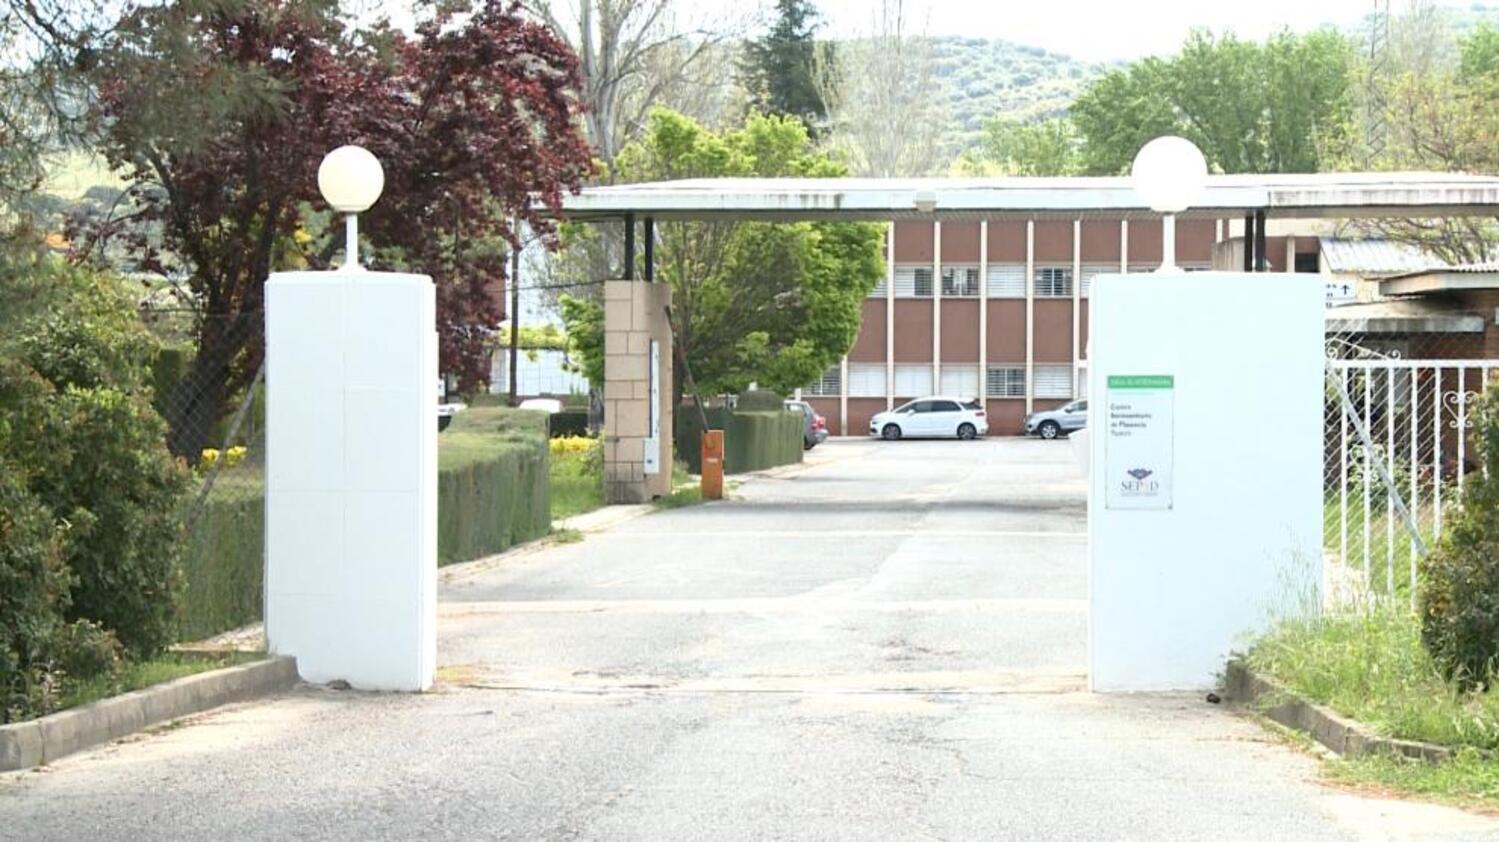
986	77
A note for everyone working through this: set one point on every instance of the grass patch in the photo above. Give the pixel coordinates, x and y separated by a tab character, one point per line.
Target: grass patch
1372	667
567	536
136	675
690	496
1468	779
686	489
577	485
1380	540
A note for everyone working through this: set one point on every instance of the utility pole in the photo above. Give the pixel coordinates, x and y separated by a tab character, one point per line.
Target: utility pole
515	316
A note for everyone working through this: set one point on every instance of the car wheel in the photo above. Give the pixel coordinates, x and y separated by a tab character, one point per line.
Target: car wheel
967	432
808	445
1050	429
891	432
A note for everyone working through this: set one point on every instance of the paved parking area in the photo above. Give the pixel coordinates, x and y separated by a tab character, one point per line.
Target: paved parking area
888	642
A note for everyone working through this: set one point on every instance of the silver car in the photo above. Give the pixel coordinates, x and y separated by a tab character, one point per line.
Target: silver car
1057	422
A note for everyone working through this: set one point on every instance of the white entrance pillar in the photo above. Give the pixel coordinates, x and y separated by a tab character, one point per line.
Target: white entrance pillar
351	476
1205	482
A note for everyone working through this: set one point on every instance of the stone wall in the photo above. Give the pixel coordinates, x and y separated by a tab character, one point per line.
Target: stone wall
634	314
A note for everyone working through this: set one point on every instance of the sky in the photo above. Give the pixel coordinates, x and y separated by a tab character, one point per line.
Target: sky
1107	30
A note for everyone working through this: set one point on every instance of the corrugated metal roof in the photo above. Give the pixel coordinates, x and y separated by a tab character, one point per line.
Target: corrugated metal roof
1374	257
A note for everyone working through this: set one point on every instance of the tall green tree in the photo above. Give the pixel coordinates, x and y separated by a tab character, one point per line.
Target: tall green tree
1012	147
1439	110
774	304
780	69
1251	107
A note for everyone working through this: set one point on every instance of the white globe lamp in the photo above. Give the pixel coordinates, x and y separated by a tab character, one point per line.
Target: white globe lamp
351	179
1169	174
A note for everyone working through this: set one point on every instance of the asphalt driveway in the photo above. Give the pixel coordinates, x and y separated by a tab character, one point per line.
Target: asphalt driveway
886	643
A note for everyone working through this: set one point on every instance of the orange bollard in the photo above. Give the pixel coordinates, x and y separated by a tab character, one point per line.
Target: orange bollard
712	482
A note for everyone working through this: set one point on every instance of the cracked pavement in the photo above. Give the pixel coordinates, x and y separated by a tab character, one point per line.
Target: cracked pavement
887	643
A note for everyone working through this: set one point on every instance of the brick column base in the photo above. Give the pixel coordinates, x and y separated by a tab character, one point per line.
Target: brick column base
634	315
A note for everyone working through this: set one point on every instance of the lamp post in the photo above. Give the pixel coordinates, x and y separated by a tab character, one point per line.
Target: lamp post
350	179
1169	174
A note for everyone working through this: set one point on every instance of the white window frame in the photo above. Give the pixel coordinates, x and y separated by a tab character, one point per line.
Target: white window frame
911	278
913	380
1053	381
1006	380
959	380
969	288
1006	280
830	385
1054	280
866	380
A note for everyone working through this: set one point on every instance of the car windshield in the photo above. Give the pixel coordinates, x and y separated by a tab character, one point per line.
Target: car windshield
973	404
906	408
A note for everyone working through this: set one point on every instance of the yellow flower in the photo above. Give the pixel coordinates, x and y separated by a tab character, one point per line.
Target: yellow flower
234	455
209	456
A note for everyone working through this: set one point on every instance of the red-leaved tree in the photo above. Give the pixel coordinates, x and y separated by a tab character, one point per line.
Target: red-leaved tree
217	114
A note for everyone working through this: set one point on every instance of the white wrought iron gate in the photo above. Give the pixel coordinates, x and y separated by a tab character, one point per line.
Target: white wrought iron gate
1397	447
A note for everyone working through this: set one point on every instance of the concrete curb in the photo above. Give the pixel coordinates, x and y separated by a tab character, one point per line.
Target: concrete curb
27	744
1344	737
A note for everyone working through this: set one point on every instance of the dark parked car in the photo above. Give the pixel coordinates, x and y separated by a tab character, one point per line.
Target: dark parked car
814	426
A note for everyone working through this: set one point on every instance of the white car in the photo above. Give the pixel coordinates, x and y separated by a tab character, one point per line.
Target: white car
932	417
551	406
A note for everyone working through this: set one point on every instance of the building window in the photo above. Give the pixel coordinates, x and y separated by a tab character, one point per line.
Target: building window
866	380
913	281
960	381
913	380
1007	280
1006	381
830	385
1053	381
1054	281
960	280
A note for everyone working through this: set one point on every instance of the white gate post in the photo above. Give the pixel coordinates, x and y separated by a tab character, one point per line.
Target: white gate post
351	461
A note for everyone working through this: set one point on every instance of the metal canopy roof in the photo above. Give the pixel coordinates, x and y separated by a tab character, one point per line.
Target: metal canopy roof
1333	195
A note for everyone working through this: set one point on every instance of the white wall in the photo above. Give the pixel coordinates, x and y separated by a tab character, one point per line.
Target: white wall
351	476
1173	590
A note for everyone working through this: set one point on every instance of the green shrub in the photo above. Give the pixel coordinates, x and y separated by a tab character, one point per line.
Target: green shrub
92	451
760	400
33	591
492	485
223	567
86	650
492	493
1459	593
753	441
569	422
119	490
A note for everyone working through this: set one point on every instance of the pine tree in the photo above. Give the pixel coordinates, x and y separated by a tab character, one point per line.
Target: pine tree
780	69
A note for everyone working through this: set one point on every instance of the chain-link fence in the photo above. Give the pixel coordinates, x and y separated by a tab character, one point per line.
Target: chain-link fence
210	388
1397	448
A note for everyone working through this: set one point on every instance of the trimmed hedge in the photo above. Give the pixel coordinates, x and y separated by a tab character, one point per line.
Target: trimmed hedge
752	441
569	422
492	493
223	566
492	488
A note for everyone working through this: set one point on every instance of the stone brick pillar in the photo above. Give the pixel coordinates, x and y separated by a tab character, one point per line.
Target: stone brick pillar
637	435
